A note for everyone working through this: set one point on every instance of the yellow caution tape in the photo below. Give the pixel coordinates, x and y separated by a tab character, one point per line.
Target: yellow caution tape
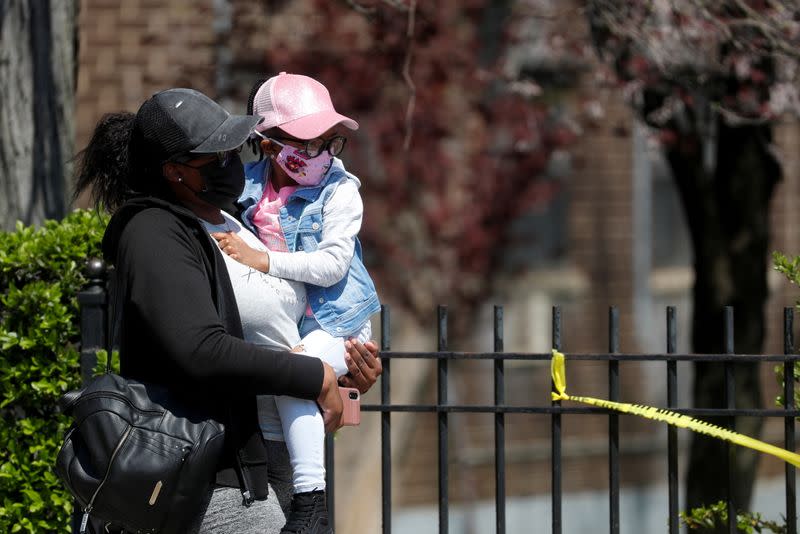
558	370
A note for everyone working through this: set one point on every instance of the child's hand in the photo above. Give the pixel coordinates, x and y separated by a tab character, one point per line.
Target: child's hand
235	247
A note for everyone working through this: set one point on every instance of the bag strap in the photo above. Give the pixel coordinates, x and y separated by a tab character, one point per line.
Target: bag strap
112	338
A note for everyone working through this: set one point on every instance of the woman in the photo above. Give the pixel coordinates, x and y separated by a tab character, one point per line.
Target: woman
163	172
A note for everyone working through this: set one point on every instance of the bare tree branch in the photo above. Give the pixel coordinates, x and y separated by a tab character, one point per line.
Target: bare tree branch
358	8
400	5
407	76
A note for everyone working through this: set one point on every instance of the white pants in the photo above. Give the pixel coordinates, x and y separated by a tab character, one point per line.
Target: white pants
301	424
301	421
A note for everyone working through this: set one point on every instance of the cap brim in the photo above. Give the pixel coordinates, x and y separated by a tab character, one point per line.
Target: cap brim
312	126
229	135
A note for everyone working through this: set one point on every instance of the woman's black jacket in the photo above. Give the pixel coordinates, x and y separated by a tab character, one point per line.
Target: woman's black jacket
180	327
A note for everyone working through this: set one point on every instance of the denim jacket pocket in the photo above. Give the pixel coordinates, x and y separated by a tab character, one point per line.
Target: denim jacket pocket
309	231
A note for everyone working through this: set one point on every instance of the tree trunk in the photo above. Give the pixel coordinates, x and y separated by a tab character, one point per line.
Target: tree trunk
728	216
38	58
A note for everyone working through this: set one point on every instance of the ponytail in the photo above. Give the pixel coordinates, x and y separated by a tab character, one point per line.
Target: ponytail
254	144
118	164
103	167
252	96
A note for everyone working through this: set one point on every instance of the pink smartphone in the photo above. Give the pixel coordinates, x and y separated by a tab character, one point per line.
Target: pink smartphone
351	399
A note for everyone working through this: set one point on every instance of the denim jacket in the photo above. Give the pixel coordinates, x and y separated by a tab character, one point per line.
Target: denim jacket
343	308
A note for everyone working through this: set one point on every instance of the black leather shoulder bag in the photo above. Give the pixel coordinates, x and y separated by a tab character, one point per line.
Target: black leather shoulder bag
134	458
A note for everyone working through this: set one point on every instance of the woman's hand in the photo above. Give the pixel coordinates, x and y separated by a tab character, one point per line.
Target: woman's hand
363	363
329	400
235	247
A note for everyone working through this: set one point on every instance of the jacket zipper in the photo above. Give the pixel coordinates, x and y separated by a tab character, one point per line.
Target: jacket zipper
247	494
88	509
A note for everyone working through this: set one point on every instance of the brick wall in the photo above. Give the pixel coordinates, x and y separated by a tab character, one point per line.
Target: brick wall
132	49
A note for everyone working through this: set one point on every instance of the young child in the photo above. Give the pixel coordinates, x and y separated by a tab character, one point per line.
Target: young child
305	208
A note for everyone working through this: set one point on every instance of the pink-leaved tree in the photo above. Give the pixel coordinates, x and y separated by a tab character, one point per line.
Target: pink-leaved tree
451	142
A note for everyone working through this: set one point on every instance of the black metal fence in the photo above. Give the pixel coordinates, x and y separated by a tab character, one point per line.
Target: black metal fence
93	329
613	358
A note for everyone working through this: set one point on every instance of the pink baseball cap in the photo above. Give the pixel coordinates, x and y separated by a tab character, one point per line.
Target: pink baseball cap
298	105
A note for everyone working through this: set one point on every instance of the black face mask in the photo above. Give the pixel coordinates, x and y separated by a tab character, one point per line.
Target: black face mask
223	185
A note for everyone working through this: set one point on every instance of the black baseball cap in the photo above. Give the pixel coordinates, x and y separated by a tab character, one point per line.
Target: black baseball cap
180	121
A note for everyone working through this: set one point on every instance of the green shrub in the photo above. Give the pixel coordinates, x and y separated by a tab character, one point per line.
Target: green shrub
790	267
41	271
714	518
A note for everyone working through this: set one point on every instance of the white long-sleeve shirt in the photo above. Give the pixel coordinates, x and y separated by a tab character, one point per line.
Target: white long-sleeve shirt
341	215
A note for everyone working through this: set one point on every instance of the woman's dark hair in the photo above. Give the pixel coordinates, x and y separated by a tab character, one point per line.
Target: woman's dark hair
111	166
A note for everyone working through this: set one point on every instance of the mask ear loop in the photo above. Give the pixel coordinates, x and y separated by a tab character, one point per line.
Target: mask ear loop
255	147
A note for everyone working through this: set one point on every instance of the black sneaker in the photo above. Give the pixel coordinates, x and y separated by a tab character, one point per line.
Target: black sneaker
309	514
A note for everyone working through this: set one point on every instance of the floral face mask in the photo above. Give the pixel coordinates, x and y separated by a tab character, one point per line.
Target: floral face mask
302	168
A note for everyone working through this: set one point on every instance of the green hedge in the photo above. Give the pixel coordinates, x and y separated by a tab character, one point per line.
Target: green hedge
41	271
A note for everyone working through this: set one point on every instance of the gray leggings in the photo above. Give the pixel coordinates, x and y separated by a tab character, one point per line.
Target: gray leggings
223	510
